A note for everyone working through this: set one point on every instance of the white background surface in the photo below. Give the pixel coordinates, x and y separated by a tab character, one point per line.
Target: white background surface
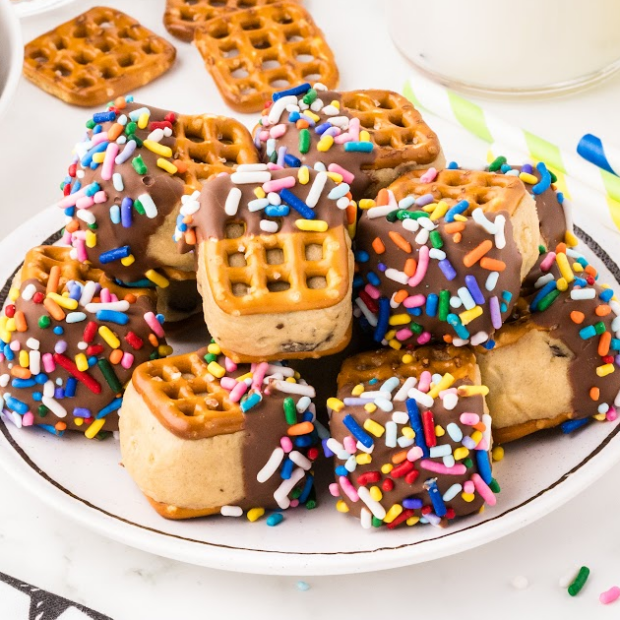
36	137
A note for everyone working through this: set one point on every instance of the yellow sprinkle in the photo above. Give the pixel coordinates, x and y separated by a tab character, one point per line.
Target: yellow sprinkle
13	294
99	158
254	514
325	143
374	428
78	421
476	436
164	350
407	358
166	165
459	217
400	319
291	380
157	278
157	148
467	316
446	381
387	468
564	266
498	453
91	239
303	175
472	390
10	325
341	506
408	432
481	510
600	417
395	344
143	120
81	361
364	136
430	208
439	431
562	284
389	335
335	104
214	349
357	390
6	336
94	428
604	370
312	115
392	513
64	302
577	267
570	239
526	177
216	370
335	404
24	359
468	497
460	453
312	225
370	407
363	458
440	211
128	260
352	229
366	203
259	192
412	521
109	336
335	177
375	493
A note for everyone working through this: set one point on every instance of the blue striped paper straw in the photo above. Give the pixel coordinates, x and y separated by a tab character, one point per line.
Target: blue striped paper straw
591	148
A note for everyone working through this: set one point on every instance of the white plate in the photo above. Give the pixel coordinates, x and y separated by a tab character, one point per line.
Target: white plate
83	480
26	8
11	53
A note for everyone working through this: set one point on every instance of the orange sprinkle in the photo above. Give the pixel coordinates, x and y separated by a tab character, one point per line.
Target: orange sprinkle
21	325
303	428
54	309
377	246
577	317
302	124
399	457
72	226
131	298
60	426
188	219
53	280
492	264
153	339
602	310
603	343
116	356
481	426
595	393
20	372
454	227
190	236
351	214
120	103
383	198
447	338
471	258
401	295
115	131
400	241
590	270
560	248
410	267
180	165
457	238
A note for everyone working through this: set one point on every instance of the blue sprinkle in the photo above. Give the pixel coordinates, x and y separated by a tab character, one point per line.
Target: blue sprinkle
16	405
545	179
581	282
305	492
37	396
606	294
277	211
358	281
92	189
412	503
484	466
59	393
506	168
42	378
461	331
104	117
615	344
113	406
507	295
299	205
293	117
414	311
50	429
70	211
452	165
81	412
550	286
322	128
291	161
112	316
70	387
287	469
457	209
341	470
23	383
302	89
305	441
373	278
415	421
560	197
92	360
357	431
373	381
489	344
382	319
87	160
126	212
58	330
436	498
250	401
382	267
572	425
115	254
358	147
472	286
587	332
303	586
432	303
361	256
97	129
275	518
77	186
160	318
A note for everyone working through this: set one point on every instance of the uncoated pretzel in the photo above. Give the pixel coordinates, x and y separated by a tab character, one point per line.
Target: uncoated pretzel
96	57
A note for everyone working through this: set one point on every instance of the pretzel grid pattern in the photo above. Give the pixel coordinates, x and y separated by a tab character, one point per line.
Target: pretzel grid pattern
395	126
95	57
186	398
492	192
252	54
258	275
209	145
183	17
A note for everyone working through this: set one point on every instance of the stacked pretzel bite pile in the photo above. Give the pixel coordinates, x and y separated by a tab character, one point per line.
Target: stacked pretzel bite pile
365	304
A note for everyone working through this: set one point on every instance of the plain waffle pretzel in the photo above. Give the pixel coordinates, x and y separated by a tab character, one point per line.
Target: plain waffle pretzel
183	17
207	145
308	271
252	54
186	398
395	126
492	192
95	57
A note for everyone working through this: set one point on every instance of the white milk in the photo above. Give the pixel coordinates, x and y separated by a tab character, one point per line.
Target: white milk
499	45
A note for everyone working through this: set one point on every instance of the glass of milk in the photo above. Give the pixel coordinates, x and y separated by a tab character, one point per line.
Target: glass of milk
524	47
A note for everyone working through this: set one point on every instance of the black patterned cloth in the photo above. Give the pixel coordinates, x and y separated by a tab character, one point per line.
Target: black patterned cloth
22	601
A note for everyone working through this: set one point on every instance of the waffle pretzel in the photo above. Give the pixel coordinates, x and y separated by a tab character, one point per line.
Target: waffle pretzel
254	53
96	57
183	18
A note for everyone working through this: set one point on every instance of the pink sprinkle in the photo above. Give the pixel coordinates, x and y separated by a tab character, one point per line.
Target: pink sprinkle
348	488
286	444
439	468
471	419
420	272
80	246
294	503
277	131
113	297
229	365
263	136
71	199
373	291
28	419
272	166
429	176
105	296
334	489
238	391
415	453
277	184
228	383
79	234
15	345
424	338
611	414
414	301
347	176
259	375
85	202
127	360
483	444
98	138
483	489
154	324
606	597
548	261
48	362
354	129
425	381
108	163
403	334
100	197
448	391
468	487
349	444
343	137
66	238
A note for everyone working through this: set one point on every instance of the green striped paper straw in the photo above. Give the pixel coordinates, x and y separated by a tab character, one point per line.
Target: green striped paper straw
576	178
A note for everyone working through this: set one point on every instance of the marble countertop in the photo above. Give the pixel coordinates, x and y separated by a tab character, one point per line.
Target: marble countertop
43	548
